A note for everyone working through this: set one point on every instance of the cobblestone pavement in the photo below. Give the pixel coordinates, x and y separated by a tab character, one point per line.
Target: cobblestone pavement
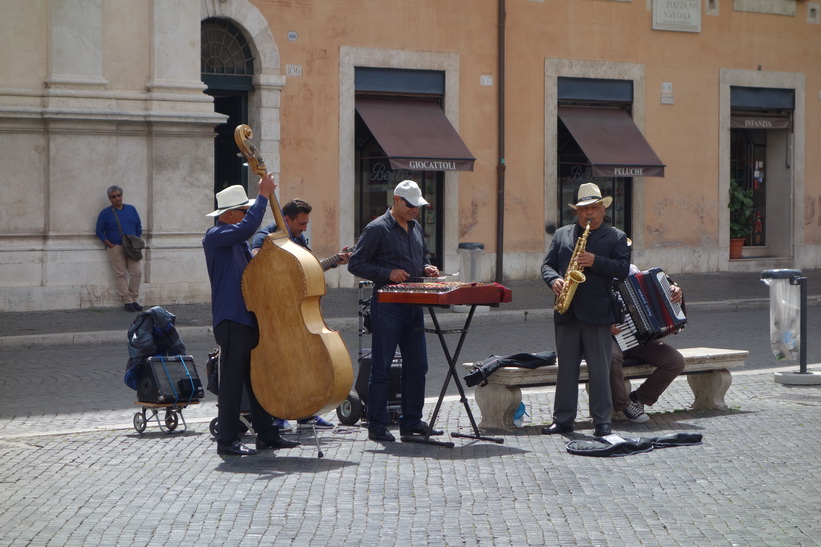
73	471
752	482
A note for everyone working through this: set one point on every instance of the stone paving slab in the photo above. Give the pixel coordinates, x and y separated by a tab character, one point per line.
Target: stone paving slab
752	482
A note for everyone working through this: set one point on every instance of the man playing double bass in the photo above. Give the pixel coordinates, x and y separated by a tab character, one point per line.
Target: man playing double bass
235	328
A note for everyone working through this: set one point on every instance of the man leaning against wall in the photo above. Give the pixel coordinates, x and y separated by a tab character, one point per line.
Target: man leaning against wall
127	271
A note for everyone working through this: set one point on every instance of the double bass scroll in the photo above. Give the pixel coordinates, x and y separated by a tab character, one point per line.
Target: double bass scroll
300	366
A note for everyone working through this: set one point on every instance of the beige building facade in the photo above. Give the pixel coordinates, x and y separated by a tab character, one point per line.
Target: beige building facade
536	101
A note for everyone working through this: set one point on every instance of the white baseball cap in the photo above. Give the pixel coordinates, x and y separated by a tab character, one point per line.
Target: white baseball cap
410	191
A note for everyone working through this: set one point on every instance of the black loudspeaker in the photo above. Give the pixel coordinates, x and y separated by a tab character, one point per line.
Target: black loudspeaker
361	384
169	380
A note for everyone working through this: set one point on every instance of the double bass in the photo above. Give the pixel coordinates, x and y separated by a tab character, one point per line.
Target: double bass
300	367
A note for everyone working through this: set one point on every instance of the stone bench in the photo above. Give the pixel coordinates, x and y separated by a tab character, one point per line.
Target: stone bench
707	371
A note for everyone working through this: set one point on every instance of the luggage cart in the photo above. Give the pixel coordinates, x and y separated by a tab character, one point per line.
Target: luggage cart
161	373
354	407
167	383
173	416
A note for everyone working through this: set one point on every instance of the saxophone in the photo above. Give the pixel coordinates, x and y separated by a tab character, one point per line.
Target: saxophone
573	276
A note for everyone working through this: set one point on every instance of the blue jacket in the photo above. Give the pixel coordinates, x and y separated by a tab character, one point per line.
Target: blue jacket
226	255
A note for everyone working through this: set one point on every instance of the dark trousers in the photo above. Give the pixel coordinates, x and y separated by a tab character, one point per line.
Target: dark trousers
576	339
395	325
669	363
236	342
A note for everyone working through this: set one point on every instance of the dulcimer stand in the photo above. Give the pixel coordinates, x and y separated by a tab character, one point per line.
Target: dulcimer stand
452	360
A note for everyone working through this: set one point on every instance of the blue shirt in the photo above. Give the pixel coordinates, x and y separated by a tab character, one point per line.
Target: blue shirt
384	246
107	224
226	255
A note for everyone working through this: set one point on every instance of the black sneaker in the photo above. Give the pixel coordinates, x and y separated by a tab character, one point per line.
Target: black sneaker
636	414
137	306
129	307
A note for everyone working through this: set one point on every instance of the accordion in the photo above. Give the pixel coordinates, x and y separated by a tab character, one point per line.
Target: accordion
650	312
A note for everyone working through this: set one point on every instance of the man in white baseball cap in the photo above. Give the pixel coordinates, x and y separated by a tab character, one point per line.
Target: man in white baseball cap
392	250
410	192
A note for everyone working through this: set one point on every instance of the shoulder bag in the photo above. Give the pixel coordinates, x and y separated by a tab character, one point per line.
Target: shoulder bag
132	244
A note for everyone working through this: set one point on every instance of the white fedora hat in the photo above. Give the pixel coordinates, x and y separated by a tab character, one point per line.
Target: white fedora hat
233	197
589	194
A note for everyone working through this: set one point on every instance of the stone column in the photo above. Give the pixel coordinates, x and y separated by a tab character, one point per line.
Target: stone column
175	82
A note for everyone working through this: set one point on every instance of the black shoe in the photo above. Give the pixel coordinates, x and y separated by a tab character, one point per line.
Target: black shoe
275	443
602	430
419	429
129	307
137	306
236	448
381	434
556	428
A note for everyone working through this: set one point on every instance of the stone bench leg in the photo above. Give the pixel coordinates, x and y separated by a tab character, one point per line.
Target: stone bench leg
498	404
709	389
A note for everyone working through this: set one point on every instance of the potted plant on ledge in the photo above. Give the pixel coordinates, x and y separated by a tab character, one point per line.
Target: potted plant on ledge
741	217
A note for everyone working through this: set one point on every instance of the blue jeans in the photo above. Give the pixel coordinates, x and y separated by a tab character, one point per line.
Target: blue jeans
395	325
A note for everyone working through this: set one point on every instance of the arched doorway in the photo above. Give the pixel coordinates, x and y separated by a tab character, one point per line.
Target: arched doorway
227	66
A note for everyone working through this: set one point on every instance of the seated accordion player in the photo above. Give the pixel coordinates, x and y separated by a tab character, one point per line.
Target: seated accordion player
649	310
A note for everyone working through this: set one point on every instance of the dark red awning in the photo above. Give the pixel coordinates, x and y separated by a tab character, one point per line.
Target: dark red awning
415	135
613	144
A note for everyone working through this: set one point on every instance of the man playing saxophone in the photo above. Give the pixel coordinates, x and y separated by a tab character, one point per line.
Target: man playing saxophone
583	328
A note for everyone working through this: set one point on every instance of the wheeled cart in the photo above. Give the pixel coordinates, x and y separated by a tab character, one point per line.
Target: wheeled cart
167	383
354	407
151	411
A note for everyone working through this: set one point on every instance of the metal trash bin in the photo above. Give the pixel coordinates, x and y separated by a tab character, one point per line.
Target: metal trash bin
469	254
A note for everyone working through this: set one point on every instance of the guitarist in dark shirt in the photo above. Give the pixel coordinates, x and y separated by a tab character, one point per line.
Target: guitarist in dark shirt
296	213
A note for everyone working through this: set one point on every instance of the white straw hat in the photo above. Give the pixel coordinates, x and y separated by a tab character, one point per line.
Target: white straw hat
233	197
589	194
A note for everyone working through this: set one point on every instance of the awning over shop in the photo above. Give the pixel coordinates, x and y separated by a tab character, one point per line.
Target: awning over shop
613	144
415	135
